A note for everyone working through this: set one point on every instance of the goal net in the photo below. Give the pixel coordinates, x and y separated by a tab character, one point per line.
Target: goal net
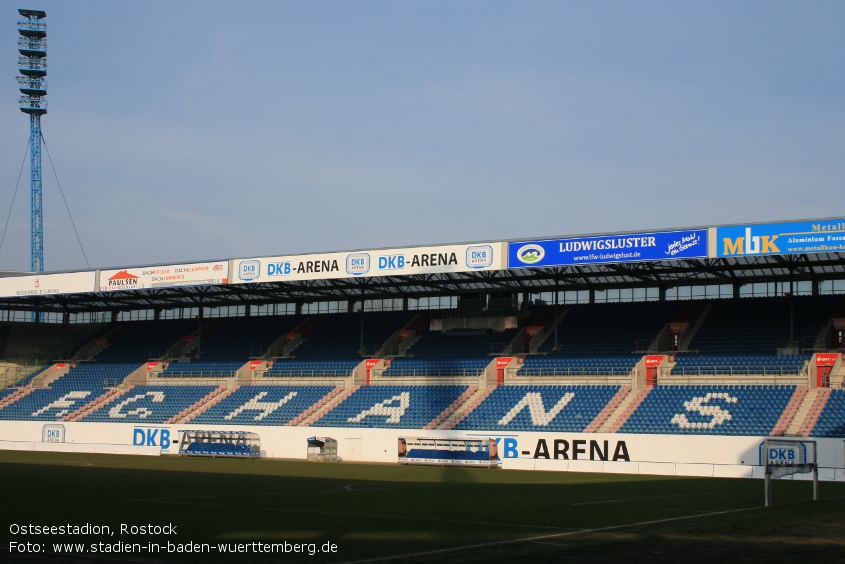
783	457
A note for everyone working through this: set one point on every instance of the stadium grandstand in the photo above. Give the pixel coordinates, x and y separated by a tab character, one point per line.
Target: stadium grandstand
733	331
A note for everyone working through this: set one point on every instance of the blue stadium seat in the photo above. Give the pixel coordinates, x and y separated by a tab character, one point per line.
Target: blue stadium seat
539	408
392	407
263	405
81	385
831	422
149	404
710	410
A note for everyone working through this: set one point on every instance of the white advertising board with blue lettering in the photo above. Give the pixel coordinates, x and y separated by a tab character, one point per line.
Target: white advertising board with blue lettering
383	262
690	455
796	237
636	247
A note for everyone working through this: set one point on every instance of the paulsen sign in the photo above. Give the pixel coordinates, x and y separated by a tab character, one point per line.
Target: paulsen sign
195	274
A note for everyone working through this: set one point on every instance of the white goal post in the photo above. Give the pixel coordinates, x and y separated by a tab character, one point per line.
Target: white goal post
785	457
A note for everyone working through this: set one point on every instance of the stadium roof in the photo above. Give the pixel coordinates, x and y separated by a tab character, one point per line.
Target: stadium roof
806	250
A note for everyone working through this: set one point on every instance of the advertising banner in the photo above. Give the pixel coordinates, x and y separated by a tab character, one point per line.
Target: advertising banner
677	328
826	359
47	284
637	247
385	262
196	274
797	237
682	455
404	334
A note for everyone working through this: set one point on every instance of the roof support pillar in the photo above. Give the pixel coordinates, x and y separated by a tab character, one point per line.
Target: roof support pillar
199	329
557	310
65	324
361	344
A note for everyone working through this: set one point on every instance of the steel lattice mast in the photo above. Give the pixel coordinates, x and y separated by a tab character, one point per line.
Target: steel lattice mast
32	65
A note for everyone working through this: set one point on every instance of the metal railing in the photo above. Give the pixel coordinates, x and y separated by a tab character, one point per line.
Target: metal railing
502	347
685	371
518	380
425	381
370	350
269	381
195	382
571	372
307	373
12	376
802	343
713	380
429	373
469	314
390	350
197	374
642	345
157	354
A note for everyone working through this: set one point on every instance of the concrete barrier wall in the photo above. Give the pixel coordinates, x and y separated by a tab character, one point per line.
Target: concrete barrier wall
673	455
90	448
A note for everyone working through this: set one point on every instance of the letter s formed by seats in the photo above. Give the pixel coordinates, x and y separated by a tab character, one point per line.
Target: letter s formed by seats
717	414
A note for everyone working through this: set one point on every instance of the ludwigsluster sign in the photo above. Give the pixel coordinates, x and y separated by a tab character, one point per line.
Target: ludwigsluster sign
666	245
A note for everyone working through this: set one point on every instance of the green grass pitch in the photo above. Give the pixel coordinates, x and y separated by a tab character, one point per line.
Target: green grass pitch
413	514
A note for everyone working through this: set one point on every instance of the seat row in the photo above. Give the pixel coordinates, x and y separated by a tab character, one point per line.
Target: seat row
672	409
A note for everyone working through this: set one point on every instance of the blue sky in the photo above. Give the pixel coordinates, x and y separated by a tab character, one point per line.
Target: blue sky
200	130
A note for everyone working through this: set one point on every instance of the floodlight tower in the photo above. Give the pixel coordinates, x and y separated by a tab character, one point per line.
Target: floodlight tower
32	64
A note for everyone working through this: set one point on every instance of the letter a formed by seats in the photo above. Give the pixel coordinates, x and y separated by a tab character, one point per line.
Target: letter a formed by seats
394	412
534	402
265	407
